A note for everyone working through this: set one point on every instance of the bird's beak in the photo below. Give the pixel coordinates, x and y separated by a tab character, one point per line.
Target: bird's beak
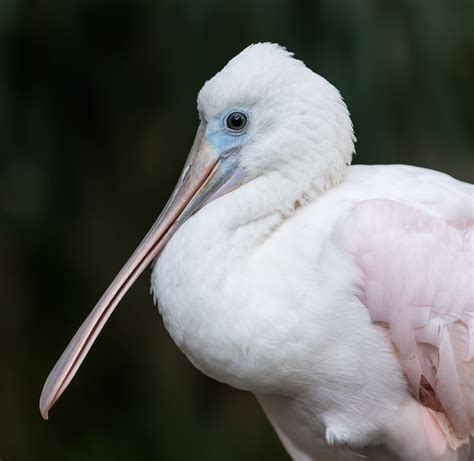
206	176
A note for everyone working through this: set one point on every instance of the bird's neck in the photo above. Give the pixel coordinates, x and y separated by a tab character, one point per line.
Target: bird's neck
251	213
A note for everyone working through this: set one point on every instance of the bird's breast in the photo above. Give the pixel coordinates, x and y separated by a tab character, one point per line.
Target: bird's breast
227	308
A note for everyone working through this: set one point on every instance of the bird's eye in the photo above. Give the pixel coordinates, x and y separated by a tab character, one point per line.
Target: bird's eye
236	121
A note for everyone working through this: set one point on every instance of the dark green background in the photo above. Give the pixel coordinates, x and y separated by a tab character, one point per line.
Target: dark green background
97	113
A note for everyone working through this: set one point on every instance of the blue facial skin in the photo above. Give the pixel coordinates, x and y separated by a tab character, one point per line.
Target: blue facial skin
223	139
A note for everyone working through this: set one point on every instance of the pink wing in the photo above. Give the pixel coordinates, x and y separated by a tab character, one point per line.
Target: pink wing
417	278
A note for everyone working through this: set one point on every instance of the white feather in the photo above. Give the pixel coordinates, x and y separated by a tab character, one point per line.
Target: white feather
253	288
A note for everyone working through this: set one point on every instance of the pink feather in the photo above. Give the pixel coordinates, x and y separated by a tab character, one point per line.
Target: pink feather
417	278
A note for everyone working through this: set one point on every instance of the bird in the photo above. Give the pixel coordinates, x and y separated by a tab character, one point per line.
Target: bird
340	295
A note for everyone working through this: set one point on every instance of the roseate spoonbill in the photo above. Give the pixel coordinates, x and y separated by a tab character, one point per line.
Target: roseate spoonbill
341	296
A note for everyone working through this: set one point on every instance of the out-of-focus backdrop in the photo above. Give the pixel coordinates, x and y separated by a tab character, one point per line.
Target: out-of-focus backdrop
97	113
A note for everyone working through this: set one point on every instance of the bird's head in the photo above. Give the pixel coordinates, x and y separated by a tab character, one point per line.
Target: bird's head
264	115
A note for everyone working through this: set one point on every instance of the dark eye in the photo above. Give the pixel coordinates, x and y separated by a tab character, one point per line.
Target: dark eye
236	121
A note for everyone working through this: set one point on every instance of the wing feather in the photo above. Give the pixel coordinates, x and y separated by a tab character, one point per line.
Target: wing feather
417	279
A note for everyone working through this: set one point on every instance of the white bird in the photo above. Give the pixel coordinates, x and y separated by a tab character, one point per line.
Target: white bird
341	296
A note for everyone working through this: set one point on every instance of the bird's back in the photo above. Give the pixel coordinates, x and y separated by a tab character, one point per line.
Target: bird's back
433	192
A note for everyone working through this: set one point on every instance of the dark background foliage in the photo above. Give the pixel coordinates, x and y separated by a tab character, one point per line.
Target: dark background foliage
97	113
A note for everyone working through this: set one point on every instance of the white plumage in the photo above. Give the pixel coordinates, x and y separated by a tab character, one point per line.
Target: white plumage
303	280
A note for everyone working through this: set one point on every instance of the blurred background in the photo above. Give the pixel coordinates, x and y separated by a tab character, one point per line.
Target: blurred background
97	113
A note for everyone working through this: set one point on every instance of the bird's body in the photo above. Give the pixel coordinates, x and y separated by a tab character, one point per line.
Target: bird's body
279	314
342	297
